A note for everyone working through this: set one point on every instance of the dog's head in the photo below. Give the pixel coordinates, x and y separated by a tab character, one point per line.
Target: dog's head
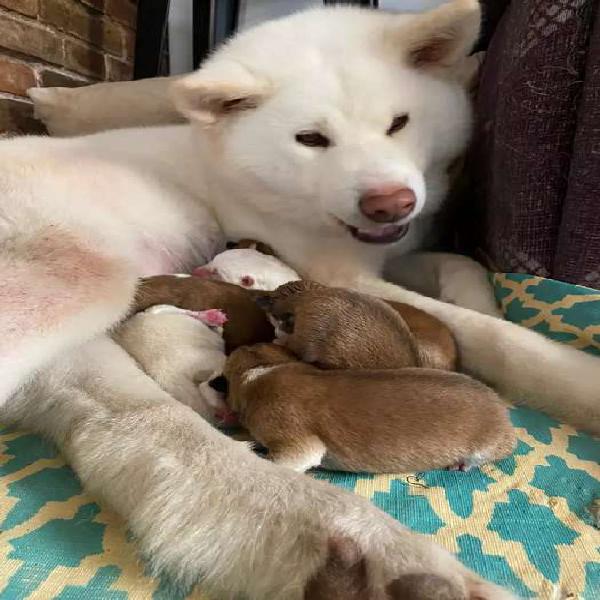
342	120
248	268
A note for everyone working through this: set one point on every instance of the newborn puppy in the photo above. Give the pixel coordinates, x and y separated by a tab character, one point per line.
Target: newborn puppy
179	349
337	328
246	323
436	346
400	420
249	268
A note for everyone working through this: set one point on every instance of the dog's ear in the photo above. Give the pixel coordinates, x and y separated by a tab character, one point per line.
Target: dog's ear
443	37
217	90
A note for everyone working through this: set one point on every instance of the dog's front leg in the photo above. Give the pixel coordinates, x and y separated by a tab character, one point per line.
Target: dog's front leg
520	363
449	277
202	506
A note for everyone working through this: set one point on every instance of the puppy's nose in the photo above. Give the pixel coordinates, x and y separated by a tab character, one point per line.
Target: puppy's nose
386	204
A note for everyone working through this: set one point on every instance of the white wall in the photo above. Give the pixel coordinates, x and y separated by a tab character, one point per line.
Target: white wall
255	11
252	12
409	5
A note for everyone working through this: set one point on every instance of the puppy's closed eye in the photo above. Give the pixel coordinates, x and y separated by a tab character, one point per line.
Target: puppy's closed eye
219	384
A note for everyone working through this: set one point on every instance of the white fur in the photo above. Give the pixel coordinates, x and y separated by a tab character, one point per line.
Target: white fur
252	375
309	455
450	277
215	400
267	271
176	350
82	218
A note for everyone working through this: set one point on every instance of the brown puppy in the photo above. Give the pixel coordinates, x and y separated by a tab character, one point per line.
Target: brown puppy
246	323
344	576
336	328
436	346
401	420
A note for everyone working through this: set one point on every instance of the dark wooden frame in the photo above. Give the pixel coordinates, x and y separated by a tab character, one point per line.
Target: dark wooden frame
151	37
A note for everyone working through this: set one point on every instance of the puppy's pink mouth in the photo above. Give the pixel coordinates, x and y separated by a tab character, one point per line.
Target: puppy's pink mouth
227	417
378	234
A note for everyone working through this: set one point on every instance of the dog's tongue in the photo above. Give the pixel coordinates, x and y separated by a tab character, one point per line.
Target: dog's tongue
378	231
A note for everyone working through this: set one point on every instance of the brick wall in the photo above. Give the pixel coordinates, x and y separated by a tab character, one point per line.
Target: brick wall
60	43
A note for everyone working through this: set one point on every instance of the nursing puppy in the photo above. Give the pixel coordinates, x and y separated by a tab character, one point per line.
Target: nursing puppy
179	349
365	420
246	323
337	328
248	267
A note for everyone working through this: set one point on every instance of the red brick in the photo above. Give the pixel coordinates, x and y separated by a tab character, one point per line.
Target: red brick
15	77
84	59
25	7
128	44
96	4
30	38
17	116
53	78
72	17
124	11
117	70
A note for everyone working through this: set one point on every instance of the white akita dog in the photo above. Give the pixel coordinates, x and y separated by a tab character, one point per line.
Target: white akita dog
327	135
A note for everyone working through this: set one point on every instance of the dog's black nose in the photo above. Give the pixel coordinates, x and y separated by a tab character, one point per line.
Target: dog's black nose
219	384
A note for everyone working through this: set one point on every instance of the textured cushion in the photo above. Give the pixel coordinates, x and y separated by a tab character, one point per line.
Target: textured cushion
535	162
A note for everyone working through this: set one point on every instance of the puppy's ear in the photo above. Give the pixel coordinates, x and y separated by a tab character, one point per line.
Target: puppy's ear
218	90
440	38
265	302
219	384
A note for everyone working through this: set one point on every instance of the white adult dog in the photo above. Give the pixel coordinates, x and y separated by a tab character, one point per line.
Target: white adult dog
327	135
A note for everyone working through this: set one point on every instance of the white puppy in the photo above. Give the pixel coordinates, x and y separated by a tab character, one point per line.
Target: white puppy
249	268
179	349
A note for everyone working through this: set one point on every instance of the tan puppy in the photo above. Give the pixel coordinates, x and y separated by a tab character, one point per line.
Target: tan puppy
365	420
338	328
246	323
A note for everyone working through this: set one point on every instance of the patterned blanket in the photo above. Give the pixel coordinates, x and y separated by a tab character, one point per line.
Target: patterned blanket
522	522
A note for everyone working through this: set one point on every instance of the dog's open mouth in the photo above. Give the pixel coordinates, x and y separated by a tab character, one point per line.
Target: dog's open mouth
379	234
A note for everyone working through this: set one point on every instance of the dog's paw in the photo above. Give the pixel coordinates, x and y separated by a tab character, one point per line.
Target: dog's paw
347	574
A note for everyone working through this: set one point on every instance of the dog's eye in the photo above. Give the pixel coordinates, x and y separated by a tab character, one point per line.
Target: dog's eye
399	122
314	139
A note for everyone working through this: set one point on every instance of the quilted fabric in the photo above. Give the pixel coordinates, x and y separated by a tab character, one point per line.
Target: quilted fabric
534	163
522	522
